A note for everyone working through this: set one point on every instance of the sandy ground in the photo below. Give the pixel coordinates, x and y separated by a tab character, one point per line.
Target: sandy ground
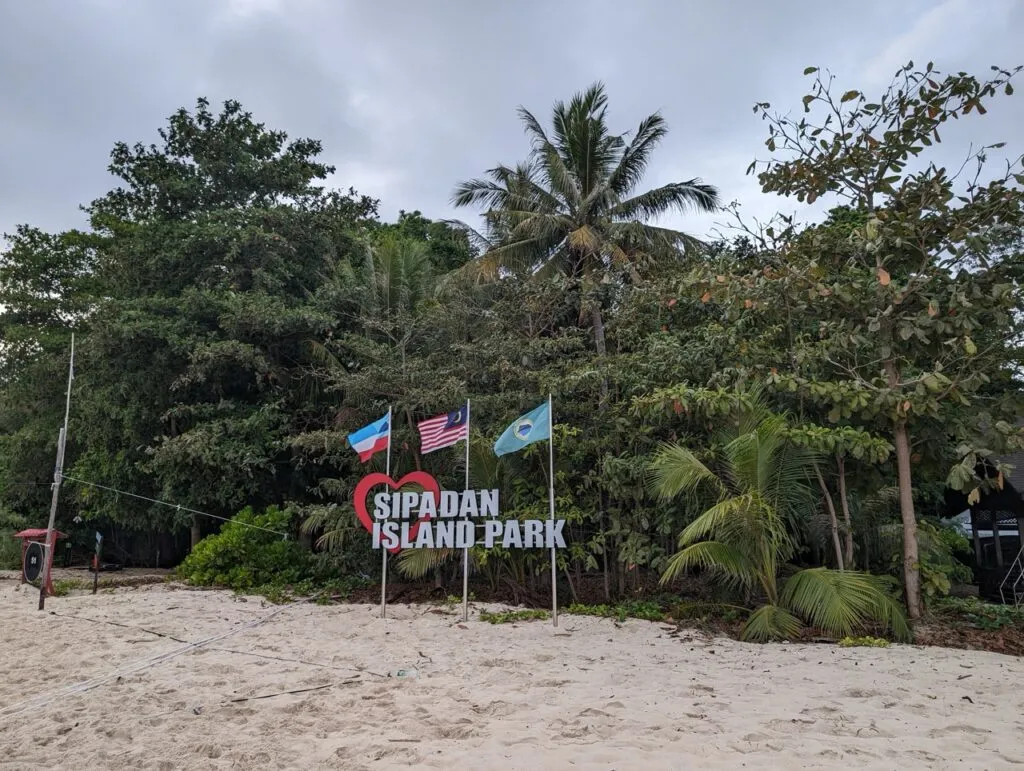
84	574
111	681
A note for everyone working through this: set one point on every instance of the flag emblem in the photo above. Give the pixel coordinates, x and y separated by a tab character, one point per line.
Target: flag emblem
532	427
444	430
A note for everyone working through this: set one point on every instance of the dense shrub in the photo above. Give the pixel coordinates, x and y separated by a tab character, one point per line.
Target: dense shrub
241	557
10	548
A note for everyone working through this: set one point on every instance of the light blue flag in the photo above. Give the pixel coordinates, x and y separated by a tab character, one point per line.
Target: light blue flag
531	427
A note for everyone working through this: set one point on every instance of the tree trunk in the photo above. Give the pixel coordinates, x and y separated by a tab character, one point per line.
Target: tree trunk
911	569
604	555
844	502
833	521
600	347
196	534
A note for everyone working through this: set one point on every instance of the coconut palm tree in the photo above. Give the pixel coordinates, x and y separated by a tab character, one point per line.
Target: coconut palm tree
759	488
573	207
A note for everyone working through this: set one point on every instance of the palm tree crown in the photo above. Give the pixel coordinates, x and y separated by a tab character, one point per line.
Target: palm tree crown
573	206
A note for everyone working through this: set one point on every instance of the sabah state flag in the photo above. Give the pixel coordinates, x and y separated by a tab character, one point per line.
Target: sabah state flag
372	438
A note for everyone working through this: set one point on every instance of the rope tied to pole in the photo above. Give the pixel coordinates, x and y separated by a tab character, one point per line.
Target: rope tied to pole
176	506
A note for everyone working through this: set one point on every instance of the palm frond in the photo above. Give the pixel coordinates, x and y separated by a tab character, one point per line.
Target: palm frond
477	240
416	563
840	603
636	155
735	519
691	195
676	470
771	622
717	557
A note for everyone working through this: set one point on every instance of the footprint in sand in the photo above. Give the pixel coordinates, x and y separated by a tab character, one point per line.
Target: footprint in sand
939	733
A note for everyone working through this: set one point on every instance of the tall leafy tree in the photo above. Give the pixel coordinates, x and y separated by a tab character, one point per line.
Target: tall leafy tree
574	207
215	245
926	272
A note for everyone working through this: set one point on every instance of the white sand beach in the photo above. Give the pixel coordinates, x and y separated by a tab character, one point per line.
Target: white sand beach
591	694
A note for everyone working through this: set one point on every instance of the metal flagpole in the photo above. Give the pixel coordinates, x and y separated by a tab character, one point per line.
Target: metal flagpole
465	550
383	551
551	506
58	474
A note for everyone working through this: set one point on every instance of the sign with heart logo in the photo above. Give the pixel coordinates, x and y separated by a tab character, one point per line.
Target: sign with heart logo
421	478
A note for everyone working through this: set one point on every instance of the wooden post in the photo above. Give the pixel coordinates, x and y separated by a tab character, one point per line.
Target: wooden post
96	564
996	540
976	539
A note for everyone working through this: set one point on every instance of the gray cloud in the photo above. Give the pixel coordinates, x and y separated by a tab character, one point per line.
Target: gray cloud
410	97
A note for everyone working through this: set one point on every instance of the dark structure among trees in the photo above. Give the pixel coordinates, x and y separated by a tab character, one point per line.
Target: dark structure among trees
997	532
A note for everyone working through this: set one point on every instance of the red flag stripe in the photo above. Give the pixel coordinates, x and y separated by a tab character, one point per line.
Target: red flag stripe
433	435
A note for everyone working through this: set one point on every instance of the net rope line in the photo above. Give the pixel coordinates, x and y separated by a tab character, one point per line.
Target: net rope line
223	650
172	505
37	702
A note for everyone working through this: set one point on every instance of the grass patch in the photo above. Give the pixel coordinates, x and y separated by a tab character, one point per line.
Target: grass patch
648	610
64	586
325	592
978	614
863	642
512	616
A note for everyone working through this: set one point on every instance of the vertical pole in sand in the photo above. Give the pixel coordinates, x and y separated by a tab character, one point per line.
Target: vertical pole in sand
383	549
58	475
551	513
465	550
96	563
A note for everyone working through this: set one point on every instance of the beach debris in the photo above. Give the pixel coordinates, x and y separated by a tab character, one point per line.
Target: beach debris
299	690
411	673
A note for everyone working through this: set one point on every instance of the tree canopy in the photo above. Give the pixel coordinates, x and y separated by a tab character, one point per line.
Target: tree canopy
236	318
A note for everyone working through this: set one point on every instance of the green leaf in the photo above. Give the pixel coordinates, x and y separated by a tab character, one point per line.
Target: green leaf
840	603
810	70
969	347
771	622
850	96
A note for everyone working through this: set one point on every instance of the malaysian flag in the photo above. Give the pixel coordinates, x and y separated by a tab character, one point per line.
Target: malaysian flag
444	430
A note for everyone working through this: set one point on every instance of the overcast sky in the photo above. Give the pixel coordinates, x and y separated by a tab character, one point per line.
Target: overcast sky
410	97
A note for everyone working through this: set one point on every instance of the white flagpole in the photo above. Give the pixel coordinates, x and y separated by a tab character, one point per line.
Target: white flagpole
551	506
384	551
58	475
465	550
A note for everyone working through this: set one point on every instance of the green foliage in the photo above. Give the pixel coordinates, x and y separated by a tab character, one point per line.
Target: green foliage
235	320
863	642
62	587
979	614
942	550
902	309
10	548
744	538
513	616
647	610
241	557
573	207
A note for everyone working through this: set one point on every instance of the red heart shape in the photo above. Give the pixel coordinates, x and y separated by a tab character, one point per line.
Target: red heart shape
422	478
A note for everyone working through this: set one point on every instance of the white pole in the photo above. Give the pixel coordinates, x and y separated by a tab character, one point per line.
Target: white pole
465	550
384	551
551	507
58	474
